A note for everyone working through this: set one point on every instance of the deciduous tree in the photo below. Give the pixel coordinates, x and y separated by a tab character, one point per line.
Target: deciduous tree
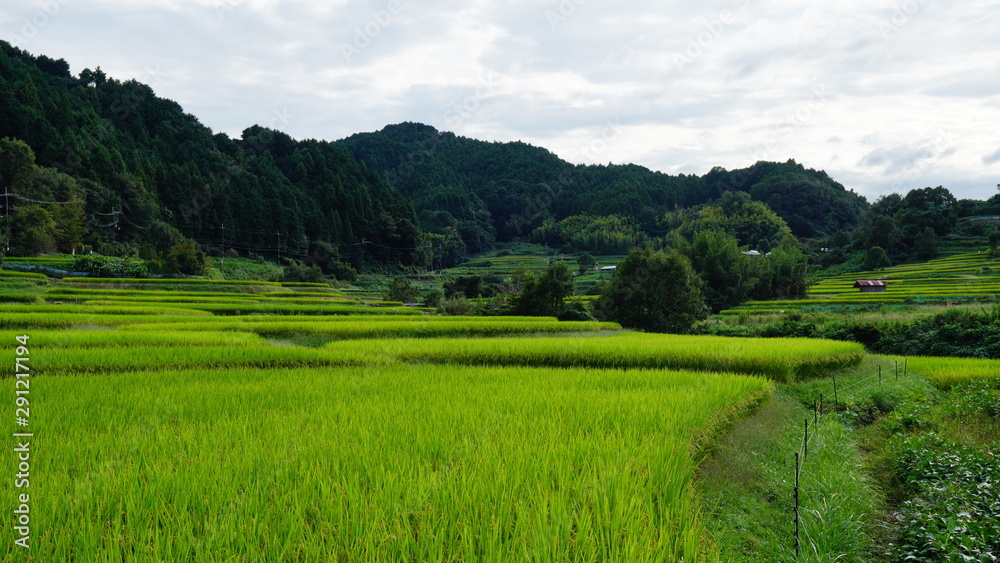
655	291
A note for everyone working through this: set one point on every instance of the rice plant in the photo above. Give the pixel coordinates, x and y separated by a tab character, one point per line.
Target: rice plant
375	464
782	359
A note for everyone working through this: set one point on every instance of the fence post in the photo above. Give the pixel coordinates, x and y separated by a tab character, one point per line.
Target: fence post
821	404
905	362
897	369
836	395
798	545
880	375
805	442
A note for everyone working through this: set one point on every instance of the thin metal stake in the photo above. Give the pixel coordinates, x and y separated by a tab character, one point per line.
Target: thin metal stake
805	442
798	545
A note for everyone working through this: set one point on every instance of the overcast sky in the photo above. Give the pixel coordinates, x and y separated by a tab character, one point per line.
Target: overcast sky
885	95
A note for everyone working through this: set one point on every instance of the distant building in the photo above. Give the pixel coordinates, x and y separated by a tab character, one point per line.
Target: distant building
871	286
609	268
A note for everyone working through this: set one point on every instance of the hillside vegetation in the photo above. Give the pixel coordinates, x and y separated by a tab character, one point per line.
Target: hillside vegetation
102	164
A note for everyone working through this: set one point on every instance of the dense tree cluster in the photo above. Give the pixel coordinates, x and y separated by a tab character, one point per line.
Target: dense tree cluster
608	234
486	192
655	291
898	228
138	170
92	162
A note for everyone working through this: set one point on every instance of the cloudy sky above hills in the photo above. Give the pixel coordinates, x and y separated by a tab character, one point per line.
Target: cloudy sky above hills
885	95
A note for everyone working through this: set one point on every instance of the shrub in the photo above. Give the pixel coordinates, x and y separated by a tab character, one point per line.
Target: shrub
111	267
457	305
402	290
186	258
655	291
299	272
434	299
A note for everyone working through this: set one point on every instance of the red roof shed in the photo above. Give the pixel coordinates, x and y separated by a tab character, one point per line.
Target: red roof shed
871	286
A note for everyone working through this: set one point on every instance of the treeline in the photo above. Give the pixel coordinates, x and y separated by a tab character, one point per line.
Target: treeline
916	226
951	333
479	193
139	171
113	168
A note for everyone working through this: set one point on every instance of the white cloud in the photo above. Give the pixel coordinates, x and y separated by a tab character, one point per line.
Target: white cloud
909	92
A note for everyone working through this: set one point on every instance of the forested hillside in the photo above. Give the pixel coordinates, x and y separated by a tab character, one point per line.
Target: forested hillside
137	170
96	163
505	191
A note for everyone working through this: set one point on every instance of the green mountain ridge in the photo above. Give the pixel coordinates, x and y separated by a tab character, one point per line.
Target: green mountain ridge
140	171
520	186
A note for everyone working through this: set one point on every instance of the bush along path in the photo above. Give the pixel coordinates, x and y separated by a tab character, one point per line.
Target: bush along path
899	467
931	448
939	458
762	506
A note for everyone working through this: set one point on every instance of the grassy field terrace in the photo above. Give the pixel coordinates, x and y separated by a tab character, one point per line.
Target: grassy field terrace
969	277
206	421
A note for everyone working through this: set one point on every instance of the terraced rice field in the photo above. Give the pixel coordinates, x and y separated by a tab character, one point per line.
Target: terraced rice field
970	276
949	372
167	426
779	359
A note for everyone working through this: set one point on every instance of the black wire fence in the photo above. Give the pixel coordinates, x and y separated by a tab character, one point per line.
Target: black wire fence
823	407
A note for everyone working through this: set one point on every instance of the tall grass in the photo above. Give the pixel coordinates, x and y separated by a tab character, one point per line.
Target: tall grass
158	357
165	281
41	339
24	321
423	327
23	275
949	372
394	464
7	309
781	359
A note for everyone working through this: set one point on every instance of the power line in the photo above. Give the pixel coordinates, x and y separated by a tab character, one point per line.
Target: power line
21	197
124	218
368	242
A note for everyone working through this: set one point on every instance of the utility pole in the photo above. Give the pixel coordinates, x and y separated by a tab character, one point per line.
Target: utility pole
223	227
279	248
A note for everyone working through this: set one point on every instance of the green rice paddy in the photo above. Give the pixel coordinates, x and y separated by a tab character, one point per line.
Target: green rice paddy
185	421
